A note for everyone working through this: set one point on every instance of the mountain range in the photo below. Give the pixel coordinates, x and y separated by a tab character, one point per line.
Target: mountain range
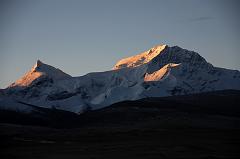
158	72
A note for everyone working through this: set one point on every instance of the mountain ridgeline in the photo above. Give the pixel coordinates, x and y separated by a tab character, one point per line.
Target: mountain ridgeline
158	72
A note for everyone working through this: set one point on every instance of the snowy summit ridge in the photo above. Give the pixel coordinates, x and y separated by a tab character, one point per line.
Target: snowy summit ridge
141	58
159	71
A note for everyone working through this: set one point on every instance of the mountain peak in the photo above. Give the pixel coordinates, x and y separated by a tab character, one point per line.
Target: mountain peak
162	55
38	63
141	58
40	69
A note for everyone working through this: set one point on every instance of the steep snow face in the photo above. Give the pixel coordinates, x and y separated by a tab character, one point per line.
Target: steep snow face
190	59
140	59
161	74
38	71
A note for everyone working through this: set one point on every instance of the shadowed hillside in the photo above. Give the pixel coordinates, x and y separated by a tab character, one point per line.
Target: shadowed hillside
194	126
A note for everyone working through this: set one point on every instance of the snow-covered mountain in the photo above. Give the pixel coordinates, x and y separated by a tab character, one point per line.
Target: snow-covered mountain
38	72
160	71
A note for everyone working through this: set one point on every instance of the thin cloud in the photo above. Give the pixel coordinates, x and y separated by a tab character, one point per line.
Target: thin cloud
199	19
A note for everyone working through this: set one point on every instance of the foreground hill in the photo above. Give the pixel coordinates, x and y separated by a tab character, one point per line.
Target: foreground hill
201	126
215	109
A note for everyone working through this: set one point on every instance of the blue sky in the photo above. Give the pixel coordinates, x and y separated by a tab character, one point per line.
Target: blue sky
81	36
